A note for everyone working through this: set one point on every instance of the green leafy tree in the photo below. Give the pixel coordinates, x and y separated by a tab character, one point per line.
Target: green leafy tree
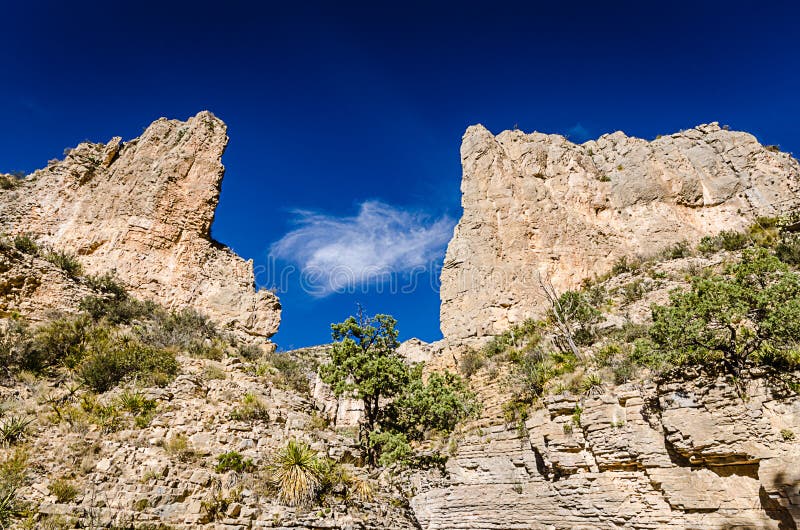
365	365
748	315
399	404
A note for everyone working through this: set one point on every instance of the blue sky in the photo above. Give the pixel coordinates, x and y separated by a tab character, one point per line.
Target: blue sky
346	117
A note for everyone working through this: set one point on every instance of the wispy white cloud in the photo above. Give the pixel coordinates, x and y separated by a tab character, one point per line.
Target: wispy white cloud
340	253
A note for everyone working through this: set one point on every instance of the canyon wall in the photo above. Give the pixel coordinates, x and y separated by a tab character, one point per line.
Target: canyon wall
537	206
144	209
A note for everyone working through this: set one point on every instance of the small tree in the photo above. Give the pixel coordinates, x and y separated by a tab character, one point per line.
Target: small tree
365	365
748	315
399	404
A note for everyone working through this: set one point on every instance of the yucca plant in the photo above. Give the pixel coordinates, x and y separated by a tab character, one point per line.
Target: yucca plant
296	474
14	429
8	507
592	384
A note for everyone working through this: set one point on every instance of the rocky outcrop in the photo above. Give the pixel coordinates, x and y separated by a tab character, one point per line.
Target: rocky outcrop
144	209
686	455
537	206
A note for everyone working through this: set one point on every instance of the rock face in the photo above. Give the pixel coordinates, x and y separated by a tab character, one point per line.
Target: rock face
144	209
687	455
538	206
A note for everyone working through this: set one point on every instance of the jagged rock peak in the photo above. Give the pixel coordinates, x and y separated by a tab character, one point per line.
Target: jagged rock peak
539	206
144	209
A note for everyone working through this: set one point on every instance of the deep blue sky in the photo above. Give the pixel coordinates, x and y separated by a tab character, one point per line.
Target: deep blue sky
330	104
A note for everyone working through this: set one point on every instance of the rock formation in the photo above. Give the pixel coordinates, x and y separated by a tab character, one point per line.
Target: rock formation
538	206
686	455
144	209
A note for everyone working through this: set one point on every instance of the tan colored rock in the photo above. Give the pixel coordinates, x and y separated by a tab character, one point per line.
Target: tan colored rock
144	209
538	205
638	458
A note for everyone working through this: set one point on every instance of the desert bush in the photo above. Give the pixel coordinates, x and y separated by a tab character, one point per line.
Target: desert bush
787	249
185	330
25	243
233	461
625	264
633	291
592	384
15	345
113	303
8	182
63	342
393	447
678	250
14	469
67	261
748	315
178	446
112	361
291	373
437	404
63	490
472	361
251	408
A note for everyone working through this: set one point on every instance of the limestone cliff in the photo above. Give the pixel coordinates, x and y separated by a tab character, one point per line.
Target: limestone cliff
682	455
144	209
537	205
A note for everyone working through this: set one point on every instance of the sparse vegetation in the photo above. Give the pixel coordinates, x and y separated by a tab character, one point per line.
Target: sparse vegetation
67	261
179	447
787	435
14	429
63	490
25	243
233	461
251	408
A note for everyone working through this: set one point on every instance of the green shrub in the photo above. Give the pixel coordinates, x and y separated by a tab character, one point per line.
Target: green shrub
678	250
179	447
787	435
64	341
113	303
63	490
472	361
592	384
8	182
709	245
391	446
788	249
25	243
623	265
67	261
292	374
731	240
437	404
14	469
111	362
633	291
748	315
185	330
233	461
251	408
15	345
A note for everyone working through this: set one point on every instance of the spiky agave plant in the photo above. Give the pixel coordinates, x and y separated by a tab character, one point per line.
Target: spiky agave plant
296	473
